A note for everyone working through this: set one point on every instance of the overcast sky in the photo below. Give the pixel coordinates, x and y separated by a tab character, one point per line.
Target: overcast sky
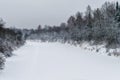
31	13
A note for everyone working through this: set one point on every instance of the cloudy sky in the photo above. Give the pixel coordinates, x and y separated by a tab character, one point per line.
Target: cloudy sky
31	13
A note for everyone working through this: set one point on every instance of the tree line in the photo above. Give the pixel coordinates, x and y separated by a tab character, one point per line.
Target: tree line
101	25
10	39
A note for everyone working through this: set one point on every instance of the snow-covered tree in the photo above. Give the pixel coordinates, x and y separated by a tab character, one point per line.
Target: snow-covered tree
89	17
71	22
117	15
39	27
79	19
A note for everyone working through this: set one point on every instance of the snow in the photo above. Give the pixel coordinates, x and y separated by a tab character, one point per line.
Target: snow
56	61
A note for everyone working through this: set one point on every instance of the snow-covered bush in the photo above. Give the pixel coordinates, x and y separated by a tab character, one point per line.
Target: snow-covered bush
115	53
2	61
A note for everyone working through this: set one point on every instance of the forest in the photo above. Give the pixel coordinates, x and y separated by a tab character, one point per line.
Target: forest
98	26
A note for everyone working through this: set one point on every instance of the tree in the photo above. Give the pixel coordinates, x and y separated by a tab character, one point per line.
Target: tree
79	19
98	18
71	22
2	23
63	25
117	16
39	27
117	6
88	17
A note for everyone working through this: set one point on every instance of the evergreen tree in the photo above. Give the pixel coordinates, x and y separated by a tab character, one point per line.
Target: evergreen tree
39	27
71	22
117	18
88	17
98	17
79	19
117	5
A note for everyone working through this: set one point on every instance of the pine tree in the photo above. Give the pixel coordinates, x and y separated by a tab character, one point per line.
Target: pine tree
117	5
117	17
39	27
79	19
88	17
71	22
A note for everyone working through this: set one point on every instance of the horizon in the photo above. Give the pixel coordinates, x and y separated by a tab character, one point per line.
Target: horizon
30	14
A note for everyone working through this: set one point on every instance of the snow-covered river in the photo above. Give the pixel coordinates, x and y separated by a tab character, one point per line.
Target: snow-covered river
55	61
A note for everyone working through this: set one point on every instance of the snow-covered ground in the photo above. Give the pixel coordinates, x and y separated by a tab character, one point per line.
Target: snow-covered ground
56	61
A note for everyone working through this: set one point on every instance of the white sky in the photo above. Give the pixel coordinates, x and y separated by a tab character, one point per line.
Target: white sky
31	13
